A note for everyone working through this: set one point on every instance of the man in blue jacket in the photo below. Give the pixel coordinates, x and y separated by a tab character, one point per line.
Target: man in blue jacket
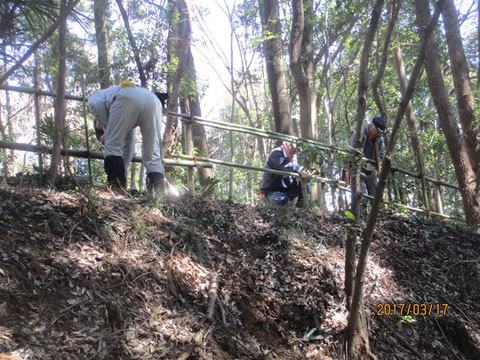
372	150
280	189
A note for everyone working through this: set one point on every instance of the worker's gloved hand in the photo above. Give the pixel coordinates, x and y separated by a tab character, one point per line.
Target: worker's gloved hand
304	173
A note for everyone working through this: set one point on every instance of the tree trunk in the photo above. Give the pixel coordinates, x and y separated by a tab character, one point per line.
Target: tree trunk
302	66
394	9
4	138
131	39
362	104
464	169
461	80
232	110
413	127
99	9
37	108
273	51
356	198
171	128
372	218
63	15
199	134
11	158
59	118
478	43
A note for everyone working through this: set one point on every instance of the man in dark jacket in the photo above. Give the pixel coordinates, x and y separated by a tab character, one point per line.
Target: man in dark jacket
280	189
372	150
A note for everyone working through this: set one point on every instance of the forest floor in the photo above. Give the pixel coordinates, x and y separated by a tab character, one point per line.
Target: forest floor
116	277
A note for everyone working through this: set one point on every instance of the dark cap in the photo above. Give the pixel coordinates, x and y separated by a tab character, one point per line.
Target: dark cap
380	124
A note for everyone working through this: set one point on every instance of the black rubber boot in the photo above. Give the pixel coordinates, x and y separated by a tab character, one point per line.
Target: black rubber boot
156	183
115	169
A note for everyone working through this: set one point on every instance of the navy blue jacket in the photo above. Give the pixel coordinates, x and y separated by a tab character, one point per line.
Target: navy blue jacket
279	160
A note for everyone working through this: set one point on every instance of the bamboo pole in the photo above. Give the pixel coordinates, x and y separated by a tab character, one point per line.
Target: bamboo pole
92	154
38	92
246	129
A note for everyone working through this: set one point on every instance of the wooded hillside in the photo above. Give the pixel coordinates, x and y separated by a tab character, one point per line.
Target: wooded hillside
242	76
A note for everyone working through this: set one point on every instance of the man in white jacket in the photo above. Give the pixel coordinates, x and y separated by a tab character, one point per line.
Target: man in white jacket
118	110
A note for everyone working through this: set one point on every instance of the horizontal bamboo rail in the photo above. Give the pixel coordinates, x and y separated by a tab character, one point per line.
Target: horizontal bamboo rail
278	136
92	154
206	162
38	92
239	128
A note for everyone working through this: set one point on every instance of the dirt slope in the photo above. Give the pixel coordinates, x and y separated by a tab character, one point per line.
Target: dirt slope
119	278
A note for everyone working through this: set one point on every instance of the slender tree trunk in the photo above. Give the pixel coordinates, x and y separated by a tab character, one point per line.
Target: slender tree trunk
37	108
260	141
372	218
199	134
232	110
99	10
464	169
4	138
63	15
171	128
59	118
461	80
273	50
478	43
11	158
413	127
141	174
362	103
302	66
360	139
394	9
133	44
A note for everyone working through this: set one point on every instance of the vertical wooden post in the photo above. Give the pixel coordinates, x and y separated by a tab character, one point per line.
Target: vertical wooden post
141	174
423	182
189	151
36	104
84	106
438	198
306	201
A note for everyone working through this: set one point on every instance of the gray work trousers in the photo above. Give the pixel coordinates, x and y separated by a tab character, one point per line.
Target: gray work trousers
134	106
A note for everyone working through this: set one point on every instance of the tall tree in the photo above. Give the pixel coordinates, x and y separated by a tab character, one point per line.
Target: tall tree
461	81
181	46
62	16
359	141
99	11
386	166
413	128
362	102
302	65
133	44
273	50
394	8
464	169
198	130
59	117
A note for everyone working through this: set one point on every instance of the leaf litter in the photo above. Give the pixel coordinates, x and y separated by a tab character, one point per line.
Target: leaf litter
117	278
